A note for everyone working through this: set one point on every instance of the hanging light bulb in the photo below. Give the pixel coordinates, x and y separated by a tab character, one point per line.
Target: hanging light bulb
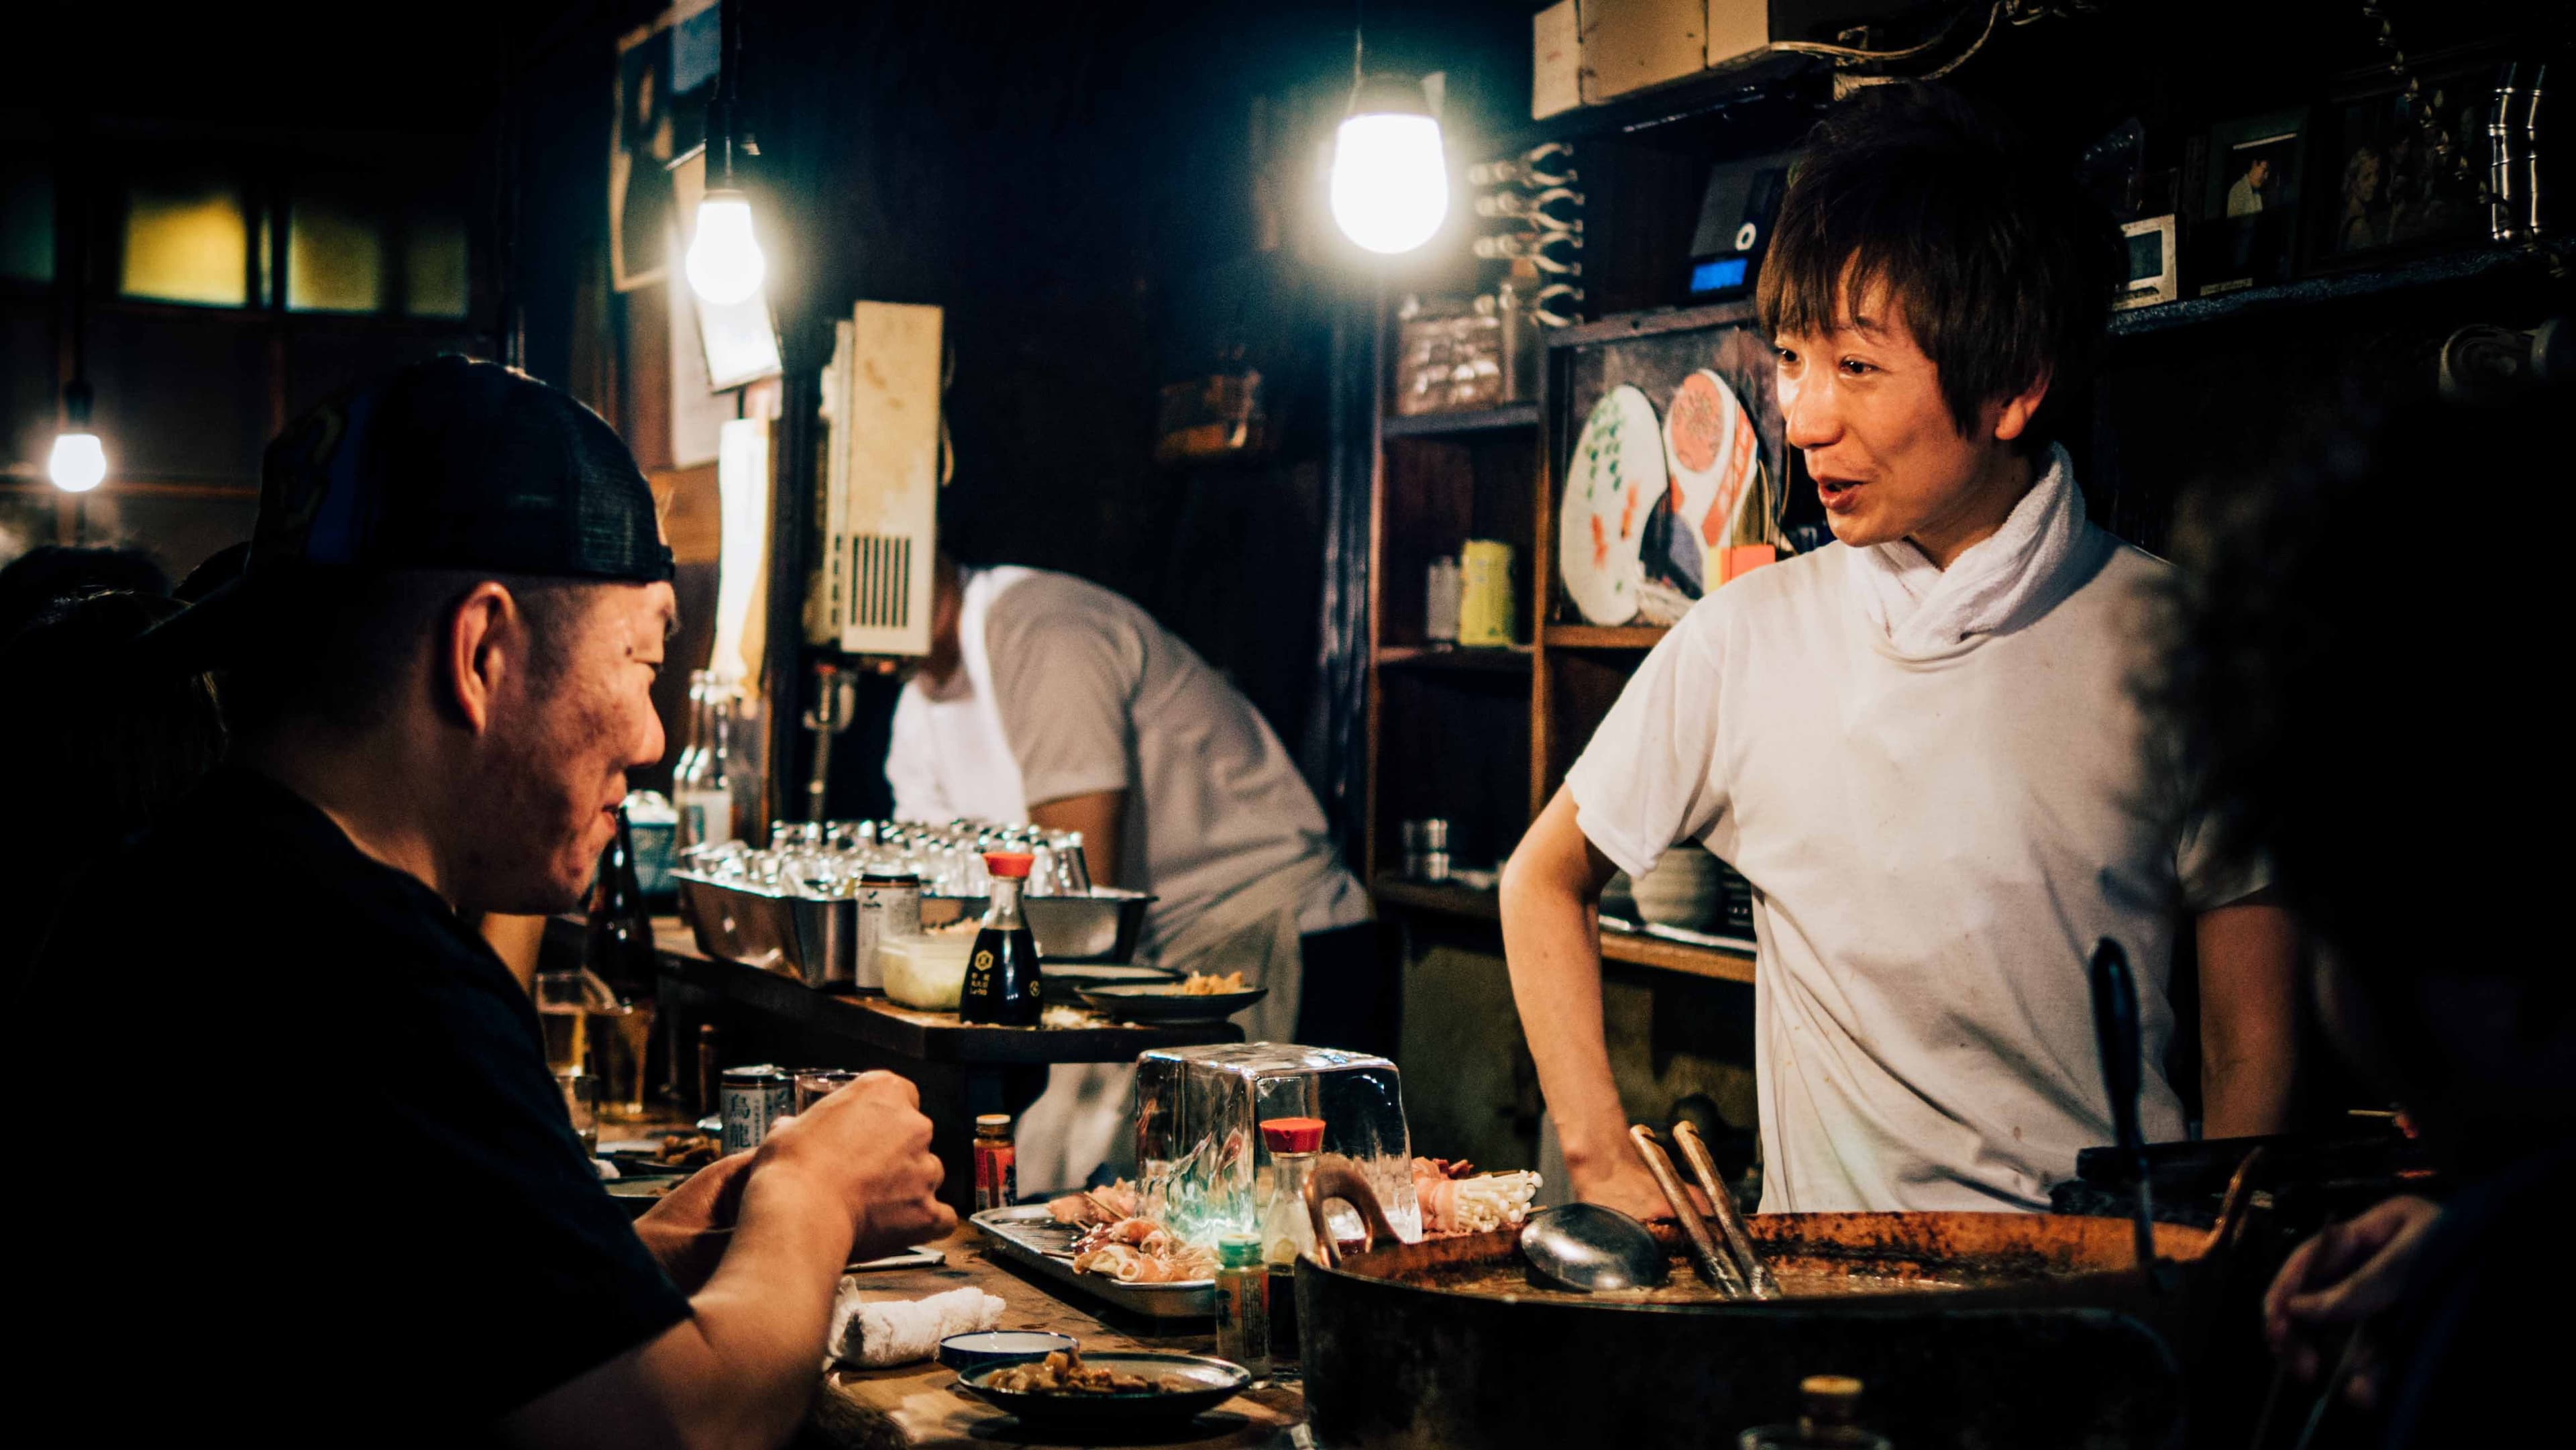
1390	188
79	463
724	263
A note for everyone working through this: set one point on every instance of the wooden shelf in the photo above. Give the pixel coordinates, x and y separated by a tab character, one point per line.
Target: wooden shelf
1454	657
1604	636
2308	291
1673	956
1440	896
1429	425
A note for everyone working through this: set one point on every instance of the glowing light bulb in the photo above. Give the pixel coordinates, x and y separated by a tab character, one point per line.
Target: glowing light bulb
79	464
724	262
1390	188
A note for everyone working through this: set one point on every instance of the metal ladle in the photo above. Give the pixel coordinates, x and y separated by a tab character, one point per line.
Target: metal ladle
1588	1248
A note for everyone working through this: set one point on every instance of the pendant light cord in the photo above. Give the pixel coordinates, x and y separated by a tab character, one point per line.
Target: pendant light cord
1359	46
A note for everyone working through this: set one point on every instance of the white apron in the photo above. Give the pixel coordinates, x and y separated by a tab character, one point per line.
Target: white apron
951	758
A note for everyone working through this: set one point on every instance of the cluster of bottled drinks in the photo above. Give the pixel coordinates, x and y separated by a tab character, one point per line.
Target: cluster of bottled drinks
833	858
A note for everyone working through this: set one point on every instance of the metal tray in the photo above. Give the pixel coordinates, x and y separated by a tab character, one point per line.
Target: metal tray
1029	1236
1101	927
816	940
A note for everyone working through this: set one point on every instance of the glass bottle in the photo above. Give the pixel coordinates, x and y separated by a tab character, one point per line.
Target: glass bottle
997	1173
1830	1420
1243	1304
620	939
1002	980
1286	1230
702	786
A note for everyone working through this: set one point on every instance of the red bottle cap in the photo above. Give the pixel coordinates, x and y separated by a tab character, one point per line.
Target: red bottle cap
1293	1135
1013	864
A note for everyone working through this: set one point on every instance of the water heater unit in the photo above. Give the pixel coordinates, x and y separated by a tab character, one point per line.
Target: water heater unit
881	399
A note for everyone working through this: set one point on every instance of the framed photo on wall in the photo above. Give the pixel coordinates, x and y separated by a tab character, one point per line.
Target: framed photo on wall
2400	175
2248	207
666	74
2153	274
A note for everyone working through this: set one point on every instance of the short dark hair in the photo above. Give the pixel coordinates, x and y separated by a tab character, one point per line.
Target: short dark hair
2360	726
51	574
103	749
337	656
2000	265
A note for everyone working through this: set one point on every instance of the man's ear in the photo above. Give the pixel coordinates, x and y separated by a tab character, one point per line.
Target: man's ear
2013	415
478	650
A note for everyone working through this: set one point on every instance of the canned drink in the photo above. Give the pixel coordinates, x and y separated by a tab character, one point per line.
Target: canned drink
888	905
754	1099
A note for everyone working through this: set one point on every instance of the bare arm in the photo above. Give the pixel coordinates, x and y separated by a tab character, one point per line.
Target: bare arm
1097	817
2249	1017
853	1174
1550	888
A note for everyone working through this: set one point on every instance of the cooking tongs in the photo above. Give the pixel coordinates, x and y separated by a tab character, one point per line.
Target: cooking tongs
1735	1268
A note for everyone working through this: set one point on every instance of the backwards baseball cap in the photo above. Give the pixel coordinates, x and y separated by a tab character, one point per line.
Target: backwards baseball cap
446	464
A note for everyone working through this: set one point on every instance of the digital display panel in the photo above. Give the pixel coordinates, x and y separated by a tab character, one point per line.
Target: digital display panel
1718	274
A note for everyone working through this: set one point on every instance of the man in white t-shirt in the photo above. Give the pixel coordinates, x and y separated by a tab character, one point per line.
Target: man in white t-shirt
1919	743
1047	698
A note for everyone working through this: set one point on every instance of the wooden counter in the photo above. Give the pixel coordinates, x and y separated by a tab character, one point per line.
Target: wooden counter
921	1405
962	1069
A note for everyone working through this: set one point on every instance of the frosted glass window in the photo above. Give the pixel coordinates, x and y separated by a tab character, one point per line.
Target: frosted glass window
26	224
186	241
436	282
335	258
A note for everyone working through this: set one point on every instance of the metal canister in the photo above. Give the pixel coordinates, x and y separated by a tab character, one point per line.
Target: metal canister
1485	593
754	1099
888	904
997	1173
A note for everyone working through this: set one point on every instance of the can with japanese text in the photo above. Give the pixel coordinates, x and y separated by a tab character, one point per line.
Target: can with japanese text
754	1099
888	904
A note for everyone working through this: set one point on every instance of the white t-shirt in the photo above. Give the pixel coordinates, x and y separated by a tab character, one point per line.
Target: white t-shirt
1095	696
1935	845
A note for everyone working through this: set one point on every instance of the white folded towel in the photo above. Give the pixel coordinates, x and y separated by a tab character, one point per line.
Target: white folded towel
1992	585
880	1332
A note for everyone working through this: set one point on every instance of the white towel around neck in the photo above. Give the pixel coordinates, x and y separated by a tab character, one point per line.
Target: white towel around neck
1923	611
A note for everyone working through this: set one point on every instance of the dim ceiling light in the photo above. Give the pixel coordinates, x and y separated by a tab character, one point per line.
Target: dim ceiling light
79	463
724	263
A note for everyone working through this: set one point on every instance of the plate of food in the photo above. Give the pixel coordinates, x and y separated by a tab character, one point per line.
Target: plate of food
1194	998
1613	484
1110	1392
683	1153
1101	974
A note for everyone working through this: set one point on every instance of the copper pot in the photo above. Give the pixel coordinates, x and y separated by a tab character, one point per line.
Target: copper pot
1991	1329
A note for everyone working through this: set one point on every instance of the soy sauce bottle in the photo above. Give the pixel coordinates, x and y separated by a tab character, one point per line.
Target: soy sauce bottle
1002	983
620	937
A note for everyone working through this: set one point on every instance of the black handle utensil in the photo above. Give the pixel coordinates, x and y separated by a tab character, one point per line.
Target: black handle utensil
2115	1029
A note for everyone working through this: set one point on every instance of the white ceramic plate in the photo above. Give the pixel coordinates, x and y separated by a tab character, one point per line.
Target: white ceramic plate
1715	457
1612	485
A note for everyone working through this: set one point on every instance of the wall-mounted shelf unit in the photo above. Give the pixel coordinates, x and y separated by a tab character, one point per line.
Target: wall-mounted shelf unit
1432	425
1482	737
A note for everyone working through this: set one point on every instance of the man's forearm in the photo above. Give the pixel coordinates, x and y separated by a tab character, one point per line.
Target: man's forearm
1550	942
1556	984
741	1369
2249	1019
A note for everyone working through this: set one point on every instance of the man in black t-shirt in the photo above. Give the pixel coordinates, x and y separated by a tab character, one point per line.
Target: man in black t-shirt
314	1180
